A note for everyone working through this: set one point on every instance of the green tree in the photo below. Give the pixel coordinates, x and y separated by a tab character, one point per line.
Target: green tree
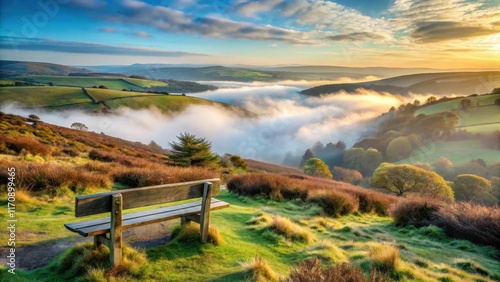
239	162
193	151
403	179
353	158
468	187
370	160
398	149
318	168
307	155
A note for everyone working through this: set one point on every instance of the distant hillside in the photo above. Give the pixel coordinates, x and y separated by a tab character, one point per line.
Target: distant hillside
272	168
118	82
449	83
101	100
13	68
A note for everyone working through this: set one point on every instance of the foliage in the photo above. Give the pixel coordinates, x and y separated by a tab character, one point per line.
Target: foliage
468	186
79	126
370	160
334	203
404	179
318	168
308	154
462	220
193	151
353	158
312	271
239	162
398	149
346	175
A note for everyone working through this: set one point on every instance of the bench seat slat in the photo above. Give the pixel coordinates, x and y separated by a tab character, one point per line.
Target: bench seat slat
102	225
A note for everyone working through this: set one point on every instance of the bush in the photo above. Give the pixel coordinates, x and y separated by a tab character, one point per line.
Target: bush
22	144
334	203
473	222
385	258
312	271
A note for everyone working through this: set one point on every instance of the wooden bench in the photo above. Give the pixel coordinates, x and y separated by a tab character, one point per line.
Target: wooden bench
117	201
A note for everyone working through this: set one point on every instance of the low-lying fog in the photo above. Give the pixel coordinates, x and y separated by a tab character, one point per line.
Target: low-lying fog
287	121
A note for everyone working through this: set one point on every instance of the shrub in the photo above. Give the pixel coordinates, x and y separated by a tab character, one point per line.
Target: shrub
333	202
22	144
312	271
415	211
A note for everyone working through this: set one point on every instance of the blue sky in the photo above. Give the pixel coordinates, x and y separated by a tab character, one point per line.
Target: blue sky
396	33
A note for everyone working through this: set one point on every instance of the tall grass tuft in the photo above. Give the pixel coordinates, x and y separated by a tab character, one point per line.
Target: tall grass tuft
260	271
385	258
84	261
190	233
290	230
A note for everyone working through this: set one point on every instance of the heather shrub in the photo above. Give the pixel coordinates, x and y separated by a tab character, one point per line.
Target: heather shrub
333	202
312	271
415	211
23	144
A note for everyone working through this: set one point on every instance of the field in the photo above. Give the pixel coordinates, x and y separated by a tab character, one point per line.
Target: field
84	81
144	83
454	104
43	96
162	102
105	94
345	239
458	152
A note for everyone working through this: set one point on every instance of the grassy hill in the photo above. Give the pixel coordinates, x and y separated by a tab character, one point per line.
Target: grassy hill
260	238
21	67
96	99
455	83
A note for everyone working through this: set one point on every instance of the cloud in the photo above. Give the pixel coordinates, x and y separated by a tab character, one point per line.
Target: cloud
358	36
108	30
287	121
142	34
251	8
40	44
431	32
88	4
170	20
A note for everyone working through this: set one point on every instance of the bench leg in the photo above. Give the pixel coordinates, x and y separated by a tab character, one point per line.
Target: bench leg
115	234
205	211
97	243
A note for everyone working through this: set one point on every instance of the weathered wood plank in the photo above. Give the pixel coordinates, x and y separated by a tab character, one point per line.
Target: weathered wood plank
77	225
205	211
102	225
145	196
115	233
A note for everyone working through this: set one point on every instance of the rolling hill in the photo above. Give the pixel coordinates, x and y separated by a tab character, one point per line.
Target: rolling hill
449	83
101	100
13	68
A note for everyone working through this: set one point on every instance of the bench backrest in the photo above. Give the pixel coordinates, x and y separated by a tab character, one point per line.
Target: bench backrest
144	196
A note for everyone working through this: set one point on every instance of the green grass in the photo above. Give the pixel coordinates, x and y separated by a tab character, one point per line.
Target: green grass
145	83
43	96
84	81
163	102
104	94
6	81
423	255
455	104
458	152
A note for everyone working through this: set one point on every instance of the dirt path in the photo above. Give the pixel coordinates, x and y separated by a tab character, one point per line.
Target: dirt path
35	256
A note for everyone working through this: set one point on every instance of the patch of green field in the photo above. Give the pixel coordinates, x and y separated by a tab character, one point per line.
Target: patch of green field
426	254
458	152
6	81
454	104
104	94
84	81
43	96
145	83
167	103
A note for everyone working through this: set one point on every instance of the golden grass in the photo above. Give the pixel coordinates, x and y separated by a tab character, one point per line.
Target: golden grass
190	233
284	226
260	271
385	258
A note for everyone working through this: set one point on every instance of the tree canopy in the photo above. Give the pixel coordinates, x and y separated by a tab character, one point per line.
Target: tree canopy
469	186
403	179
317	167
193	151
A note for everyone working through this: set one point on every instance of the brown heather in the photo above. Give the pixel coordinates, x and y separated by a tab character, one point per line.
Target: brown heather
336	198
461	220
